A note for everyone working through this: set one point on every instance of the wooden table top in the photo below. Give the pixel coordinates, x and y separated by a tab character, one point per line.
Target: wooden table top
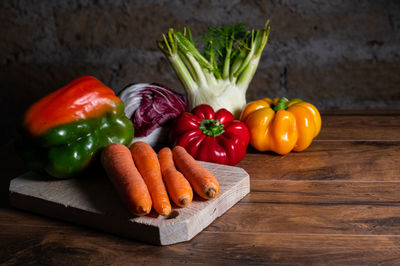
338	202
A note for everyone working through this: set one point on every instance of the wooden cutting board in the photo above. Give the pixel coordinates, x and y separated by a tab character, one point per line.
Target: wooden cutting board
93	202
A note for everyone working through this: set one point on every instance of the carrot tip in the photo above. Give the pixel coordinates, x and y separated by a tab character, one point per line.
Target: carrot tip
211	193
165	211
183	202
140	211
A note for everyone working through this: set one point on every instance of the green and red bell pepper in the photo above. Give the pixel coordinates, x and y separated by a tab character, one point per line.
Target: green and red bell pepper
61	133
211	136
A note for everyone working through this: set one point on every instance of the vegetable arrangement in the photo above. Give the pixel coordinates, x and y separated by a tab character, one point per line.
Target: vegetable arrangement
139	176
64	132
221	74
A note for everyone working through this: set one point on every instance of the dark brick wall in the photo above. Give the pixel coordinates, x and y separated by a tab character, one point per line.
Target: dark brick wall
336	54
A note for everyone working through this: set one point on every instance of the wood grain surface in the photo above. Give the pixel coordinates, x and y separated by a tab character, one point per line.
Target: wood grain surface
337	203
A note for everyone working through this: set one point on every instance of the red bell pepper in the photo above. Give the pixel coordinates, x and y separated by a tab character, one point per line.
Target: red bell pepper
211	136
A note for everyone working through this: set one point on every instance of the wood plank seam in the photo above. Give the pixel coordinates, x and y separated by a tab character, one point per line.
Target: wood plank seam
356	203
301	234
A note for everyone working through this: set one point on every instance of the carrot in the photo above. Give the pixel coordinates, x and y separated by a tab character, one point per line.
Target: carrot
148	165
120	168
202	181
178	187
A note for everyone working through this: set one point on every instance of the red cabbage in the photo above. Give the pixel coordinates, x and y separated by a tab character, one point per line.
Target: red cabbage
150	106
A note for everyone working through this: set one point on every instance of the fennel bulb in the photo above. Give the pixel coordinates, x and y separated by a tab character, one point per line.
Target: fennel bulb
221	80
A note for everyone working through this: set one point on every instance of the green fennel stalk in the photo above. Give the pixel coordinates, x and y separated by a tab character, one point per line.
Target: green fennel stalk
221	74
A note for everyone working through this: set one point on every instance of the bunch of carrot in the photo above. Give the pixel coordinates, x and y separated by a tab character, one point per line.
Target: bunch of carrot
144	180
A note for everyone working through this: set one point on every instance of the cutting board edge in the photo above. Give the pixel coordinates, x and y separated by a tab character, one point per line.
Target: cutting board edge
138	231
191	230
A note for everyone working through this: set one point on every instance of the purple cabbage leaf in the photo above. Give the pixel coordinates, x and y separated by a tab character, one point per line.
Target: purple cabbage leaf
150	106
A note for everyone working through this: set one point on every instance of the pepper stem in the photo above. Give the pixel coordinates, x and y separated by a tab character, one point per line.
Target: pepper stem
281	104
211	127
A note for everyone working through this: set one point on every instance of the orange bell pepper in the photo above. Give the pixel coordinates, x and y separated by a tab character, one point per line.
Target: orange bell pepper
281	125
